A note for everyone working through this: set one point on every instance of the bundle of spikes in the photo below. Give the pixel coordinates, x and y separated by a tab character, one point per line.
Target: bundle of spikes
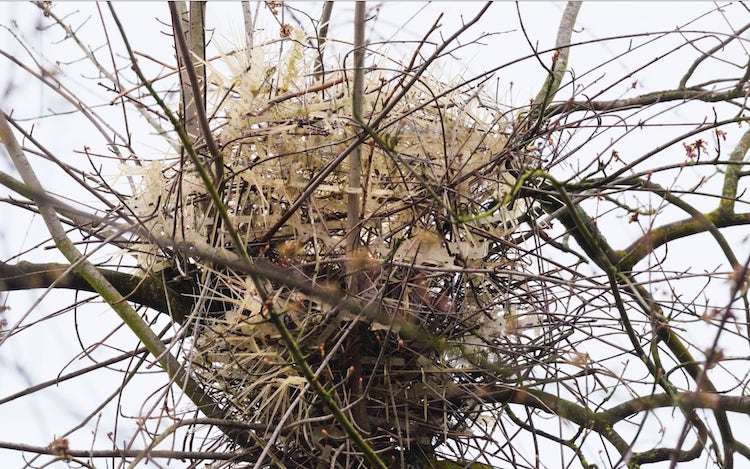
445	302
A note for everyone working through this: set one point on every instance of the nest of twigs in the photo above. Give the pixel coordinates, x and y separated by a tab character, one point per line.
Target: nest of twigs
435	260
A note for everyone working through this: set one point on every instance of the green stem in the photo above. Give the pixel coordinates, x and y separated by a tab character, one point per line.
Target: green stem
732	175
99	283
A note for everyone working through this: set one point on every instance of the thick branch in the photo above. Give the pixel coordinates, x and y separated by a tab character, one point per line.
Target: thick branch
732	174
105	289
646	100
560	57
595	243
680	229
145	291
695	400
553	404
604	421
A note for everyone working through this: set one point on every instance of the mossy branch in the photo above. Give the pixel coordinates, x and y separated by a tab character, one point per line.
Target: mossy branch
149	291
557	70
732	175
644	100
593	242
560	57
703	222
661	235
102	286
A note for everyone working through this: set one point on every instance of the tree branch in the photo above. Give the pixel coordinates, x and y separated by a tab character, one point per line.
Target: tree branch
148	291
128	453
106	290
646	100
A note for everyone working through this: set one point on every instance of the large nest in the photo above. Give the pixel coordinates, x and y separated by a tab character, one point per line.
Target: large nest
436	255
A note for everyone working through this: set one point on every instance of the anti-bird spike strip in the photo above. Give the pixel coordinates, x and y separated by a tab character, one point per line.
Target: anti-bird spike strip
431	184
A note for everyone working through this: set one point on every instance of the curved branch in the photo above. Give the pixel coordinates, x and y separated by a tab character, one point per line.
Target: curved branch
325	19
680	229
106	290
733	173
553	404
560	57
646	100
573	219
557	70
604	421
695	400
701	219
737	34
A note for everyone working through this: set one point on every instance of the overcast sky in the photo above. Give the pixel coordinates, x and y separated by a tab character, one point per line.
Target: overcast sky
499	40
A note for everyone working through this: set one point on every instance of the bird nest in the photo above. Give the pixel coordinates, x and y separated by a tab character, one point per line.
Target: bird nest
434	258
